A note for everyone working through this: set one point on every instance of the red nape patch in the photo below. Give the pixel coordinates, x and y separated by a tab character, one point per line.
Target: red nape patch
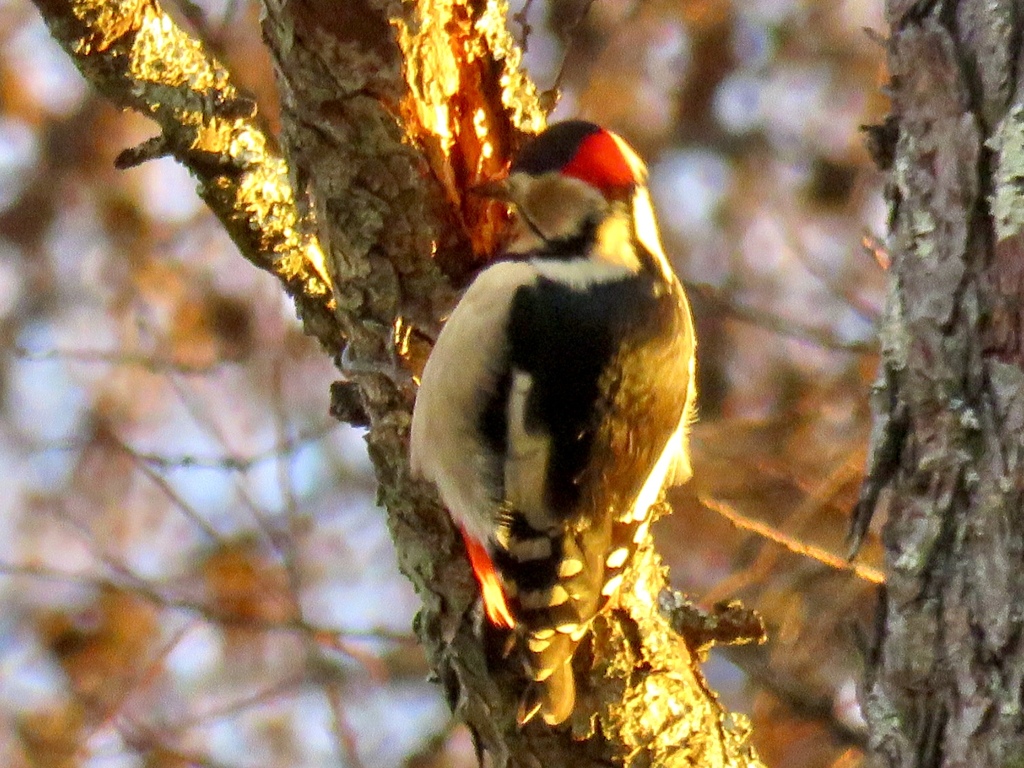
600	163
490	585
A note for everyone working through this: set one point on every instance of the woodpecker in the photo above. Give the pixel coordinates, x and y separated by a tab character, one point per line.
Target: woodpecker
555	403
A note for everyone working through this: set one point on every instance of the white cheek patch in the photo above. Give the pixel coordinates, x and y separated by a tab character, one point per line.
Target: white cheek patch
551	207
556	204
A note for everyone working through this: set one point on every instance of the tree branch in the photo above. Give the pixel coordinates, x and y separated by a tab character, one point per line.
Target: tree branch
138	57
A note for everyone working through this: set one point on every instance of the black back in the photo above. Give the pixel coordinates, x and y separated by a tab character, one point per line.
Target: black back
575	344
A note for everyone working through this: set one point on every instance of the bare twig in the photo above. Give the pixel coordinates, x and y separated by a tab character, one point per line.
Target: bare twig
782	326
816	497
839	290
168	490
865	572
117	357
875	247
328	638
522	18
551	96
144	677
795	694
343	733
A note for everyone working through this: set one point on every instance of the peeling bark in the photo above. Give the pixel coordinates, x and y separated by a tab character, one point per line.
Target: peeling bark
945	677
391	111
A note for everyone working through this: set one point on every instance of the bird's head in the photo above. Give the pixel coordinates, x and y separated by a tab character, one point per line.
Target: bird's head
578	189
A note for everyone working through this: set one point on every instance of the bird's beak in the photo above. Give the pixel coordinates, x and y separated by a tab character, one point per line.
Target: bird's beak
494	189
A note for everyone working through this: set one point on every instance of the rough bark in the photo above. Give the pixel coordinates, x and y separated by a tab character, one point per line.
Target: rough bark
390	111
945	675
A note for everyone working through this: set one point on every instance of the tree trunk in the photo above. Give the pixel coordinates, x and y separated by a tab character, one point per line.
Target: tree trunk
945	675
390	111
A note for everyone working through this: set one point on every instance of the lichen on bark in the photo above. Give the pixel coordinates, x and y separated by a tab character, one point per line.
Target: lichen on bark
944	677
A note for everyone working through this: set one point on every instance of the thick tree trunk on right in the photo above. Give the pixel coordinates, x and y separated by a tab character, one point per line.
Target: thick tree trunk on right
945	677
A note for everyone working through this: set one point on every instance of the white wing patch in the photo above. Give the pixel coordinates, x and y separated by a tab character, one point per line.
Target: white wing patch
526	463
